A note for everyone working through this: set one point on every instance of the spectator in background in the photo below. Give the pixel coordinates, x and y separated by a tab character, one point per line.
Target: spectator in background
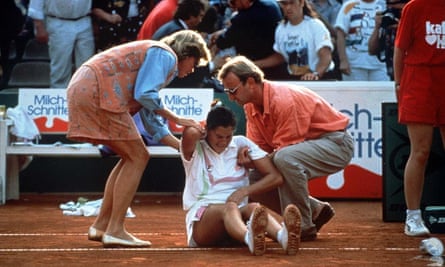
188	15
27	32
302	41
162	13
419	68
381	42
225	12
303	134
66	26
217	190
214	17
354	26
12	21
328	9
251	32
118	22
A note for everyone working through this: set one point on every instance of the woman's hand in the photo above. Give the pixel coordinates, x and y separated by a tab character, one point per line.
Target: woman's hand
114	18
238	195
190	123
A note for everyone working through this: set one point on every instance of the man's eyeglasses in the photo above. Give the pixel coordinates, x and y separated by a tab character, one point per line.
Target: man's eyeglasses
233	90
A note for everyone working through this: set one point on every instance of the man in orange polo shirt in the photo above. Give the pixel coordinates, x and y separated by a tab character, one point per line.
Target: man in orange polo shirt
302	132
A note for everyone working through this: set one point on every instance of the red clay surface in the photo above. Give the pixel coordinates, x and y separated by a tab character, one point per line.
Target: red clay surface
33	232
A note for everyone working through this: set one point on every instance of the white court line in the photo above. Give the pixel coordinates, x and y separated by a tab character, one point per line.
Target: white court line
182	249
139	234
83	234
173	249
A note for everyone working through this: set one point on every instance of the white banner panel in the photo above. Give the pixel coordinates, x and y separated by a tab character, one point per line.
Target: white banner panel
187	102
361	101
49	107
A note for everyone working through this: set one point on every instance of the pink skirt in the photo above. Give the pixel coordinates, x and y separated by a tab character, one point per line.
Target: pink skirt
87	121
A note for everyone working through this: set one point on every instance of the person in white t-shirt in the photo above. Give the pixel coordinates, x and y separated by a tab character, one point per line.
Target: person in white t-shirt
217	189
354	26
302	41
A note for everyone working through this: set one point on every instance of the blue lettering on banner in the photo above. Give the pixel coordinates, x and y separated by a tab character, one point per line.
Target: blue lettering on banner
184	105
47	105
366	143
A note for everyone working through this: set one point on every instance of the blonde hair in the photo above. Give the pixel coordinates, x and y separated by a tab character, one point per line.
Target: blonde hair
188	43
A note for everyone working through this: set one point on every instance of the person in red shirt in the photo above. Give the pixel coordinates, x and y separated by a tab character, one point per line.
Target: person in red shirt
419	65
162	13
303	134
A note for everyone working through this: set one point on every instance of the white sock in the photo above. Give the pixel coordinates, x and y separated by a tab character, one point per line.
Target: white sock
280	236
415	214
246	238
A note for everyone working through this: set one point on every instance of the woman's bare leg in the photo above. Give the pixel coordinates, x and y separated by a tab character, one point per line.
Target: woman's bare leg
210	230
222	220
121	186
420	136
101	222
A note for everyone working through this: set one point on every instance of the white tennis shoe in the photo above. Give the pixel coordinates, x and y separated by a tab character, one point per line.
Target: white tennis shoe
415	227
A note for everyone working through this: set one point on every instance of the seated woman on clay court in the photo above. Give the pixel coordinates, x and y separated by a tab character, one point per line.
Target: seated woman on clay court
217	190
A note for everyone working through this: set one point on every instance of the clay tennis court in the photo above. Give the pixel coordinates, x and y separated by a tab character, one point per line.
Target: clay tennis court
34	232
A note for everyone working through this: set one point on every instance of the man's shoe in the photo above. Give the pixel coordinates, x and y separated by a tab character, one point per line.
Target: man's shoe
291	229
256	231
415	227
308	234
326	213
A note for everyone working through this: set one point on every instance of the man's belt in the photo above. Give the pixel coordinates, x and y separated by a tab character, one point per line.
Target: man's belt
71	19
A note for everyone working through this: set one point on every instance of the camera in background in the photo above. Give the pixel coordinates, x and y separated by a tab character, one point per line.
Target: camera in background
391	16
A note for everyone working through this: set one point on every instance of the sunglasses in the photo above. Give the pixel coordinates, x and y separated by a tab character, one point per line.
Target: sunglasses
233	90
